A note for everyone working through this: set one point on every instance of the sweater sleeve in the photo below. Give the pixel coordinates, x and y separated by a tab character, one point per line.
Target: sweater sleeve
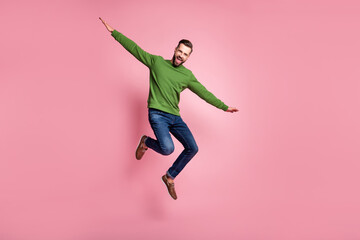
196	87
144	57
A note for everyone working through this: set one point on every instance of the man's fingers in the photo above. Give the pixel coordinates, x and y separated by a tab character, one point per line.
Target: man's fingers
232	110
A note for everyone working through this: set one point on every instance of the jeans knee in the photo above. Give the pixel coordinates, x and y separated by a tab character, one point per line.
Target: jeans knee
167	150
193	149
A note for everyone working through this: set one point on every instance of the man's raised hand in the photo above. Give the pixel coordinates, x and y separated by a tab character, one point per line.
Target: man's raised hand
231	109
110	29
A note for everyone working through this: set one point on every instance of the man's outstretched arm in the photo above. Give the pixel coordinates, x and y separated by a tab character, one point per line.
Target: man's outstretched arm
141	55
196	87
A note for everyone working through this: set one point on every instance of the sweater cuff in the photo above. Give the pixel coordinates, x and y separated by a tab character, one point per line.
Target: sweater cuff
114	32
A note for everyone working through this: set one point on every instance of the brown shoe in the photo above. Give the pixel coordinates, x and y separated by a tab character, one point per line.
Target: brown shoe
170	187
141	148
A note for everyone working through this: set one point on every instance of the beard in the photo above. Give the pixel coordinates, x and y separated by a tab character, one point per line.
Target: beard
173	62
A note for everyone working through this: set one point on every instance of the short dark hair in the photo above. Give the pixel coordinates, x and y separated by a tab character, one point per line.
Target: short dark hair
186	43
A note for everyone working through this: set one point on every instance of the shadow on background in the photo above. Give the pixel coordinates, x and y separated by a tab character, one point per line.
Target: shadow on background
139	174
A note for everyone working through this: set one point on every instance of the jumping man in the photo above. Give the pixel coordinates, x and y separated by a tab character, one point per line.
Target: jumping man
168	78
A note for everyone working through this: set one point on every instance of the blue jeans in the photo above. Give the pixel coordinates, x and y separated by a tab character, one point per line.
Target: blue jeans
163	124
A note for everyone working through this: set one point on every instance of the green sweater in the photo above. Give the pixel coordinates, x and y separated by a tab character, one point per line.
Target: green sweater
167	81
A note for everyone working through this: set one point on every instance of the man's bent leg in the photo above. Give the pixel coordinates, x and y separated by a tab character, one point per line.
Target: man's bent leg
182	133
160	123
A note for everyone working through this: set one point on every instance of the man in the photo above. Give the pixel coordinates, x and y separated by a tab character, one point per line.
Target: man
167	79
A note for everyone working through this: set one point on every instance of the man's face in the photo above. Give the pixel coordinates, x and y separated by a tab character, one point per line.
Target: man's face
181	54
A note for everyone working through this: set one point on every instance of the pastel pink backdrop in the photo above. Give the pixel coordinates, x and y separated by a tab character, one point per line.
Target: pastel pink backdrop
73	105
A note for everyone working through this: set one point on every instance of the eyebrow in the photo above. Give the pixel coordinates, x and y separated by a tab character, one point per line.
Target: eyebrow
183	52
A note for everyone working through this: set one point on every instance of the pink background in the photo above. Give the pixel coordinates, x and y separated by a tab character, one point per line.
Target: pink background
73	106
